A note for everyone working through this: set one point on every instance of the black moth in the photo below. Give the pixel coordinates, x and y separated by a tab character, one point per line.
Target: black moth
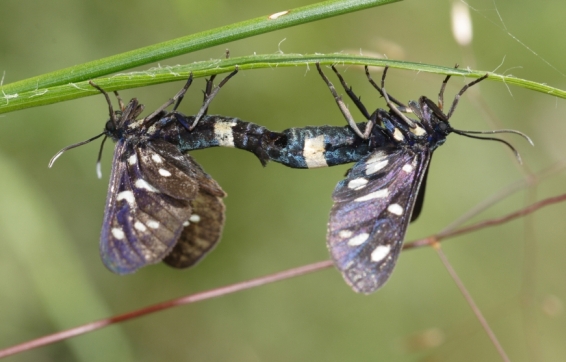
161	205
384	191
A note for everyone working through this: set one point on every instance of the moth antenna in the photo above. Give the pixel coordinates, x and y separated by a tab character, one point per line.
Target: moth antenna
98	170
54	158
98	167
110	109
517	155
502	131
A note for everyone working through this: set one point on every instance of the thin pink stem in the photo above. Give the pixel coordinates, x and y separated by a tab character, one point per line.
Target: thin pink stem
209	294
233	288
471	303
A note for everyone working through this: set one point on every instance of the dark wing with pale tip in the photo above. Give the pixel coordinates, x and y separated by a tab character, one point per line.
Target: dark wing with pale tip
148	202
204	228
371	212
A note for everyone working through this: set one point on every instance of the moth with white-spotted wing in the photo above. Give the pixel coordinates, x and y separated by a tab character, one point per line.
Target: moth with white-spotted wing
384	190
382	193
161	205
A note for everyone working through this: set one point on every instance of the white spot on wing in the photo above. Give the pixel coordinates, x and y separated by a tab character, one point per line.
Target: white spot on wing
373	167
345	234
126	195
118	233
139	226
358	183
194	218
358	239
153	224
133	159
408	168
186	223
276	15
142	184
380	253
313	152
156	158
379	194
223	133
376	157
164	172
395	209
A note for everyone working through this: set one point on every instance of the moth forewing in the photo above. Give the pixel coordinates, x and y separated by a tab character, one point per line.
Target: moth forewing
141	223
165	167
371	212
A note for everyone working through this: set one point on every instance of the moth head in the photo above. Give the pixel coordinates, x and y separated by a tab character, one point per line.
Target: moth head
113	126
110	127
435	117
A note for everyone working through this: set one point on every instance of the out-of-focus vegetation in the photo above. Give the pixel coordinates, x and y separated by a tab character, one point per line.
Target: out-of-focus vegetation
52	277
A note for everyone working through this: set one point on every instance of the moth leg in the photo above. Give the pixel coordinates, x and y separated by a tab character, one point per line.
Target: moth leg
457	97
177	98
401	106
441	93
208	91
357	100
210	97
345	112
120	102
181	119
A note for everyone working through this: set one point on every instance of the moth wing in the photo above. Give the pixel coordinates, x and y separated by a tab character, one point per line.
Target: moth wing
141	221
205	225
371	212
165	167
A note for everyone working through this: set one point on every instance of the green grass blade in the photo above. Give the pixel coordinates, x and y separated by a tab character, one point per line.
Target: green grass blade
202	69
191	43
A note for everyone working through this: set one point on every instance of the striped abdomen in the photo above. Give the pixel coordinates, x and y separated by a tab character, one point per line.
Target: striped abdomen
307	147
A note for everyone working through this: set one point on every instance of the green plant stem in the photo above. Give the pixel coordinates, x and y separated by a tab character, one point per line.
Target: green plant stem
60	93
191	43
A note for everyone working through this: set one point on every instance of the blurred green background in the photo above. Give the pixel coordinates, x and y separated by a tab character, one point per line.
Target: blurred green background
51	274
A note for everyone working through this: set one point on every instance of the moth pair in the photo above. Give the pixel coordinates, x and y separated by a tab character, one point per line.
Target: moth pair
161	205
